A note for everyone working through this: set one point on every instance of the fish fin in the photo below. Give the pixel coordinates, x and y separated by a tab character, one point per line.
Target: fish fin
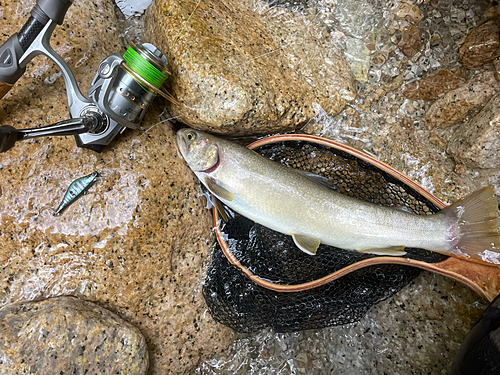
321	180
218	190
403	209
475	222
307	244
220	208
393	251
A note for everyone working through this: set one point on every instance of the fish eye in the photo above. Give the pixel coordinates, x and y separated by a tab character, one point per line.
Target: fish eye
191	136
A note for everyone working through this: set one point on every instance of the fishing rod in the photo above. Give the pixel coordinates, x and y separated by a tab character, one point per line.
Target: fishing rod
119	94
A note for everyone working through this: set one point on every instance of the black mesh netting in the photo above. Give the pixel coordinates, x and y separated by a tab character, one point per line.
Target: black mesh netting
235	301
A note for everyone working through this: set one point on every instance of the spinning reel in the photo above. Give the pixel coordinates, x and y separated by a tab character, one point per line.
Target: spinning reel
119	94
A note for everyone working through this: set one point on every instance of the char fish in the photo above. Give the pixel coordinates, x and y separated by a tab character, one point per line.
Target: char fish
298	204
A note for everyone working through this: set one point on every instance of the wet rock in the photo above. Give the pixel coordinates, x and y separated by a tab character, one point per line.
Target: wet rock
477	142
481	45
434	84
437	140
65	335
412	41
138	242
496	64
454	106
241	71
410	12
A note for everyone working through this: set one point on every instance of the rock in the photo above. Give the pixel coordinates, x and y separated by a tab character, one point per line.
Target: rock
434	84
454	106
477	142
410	12
65	335
240	71
496	64
481	45
412	41
138	242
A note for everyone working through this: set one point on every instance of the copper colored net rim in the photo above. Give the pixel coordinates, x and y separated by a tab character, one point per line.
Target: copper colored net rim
483	279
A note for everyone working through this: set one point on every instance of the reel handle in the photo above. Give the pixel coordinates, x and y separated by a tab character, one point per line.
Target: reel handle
12	53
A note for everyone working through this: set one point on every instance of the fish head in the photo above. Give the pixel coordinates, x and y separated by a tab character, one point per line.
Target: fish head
199	149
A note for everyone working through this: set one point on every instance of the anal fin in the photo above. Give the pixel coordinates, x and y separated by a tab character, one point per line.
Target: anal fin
307	244
393	251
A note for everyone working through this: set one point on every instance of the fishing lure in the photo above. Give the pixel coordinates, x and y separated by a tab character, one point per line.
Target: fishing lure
77	188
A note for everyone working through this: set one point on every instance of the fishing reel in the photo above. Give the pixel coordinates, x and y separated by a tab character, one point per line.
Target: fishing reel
119	94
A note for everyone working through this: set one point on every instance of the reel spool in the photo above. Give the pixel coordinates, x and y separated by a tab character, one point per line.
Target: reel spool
258	278
139	78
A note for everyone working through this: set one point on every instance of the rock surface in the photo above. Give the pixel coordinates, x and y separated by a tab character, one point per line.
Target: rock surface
477	142
137	243
407	10
412	41
482	45
435	84
242	71
454	106
65	335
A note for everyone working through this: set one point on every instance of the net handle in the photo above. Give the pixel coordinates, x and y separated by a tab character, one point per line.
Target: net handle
484	279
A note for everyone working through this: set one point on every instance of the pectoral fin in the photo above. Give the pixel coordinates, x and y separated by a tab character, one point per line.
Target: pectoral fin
394	251
307	244
218	190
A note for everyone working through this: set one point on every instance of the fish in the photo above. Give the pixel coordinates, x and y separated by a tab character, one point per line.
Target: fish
76	189
303	206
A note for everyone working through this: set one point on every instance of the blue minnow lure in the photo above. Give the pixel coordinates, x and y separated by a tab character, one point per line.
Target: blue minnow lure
76	190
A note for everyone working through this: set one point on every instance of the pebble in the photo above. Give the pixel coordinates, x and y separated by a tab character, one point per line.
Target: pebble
496	64
434	84
66	335
481	45
476	143
412	41
454	106
437	140
409	12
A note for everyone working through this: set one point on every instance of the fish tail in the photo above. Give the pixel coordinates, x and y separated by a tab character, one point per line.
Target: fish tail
473	233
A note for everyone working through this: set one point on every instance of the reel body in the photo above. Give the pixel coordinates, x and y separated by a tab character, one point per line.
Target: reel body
120	92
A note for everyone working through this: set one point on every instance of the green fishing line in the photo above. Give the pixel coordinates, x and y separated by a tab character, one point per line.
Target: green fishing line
144	68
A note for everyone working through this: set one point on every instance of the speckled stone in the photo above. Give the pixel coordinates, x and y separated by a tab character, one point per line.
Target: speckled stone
496	64
481	45
248	71
408	11
138	242
434	84
412	41
65	335
454	106
477	142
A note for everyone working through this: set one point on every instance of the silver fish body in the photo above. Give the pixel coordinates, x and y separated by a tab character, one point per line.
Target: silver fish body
289	202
